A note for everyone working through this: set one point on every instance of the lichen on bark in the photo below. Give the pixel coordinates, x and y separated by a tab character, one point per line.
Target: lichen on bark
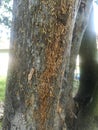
40	43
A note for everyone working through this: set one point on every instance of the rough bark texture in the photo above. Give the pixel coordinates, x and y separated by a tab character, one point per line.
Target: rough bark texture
80	26
40	43
67	87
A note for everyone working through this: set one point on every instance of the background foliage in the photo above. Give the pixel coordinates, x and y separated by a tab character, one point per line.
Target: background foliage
6	12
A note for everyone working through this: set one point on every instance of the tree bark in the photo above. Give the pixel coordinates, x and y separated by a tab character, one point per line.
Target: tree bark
87	94
66	99
40	43
88	61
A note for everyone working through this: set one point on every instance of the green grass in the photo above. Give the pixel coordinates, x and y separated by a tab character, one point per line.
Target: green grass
0	125
2	87
2	91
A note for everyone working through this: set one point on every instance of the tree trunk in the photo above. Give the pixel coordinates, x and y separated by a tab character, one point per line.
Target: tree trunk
88	62
79	29
40	45
66	99
87	94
